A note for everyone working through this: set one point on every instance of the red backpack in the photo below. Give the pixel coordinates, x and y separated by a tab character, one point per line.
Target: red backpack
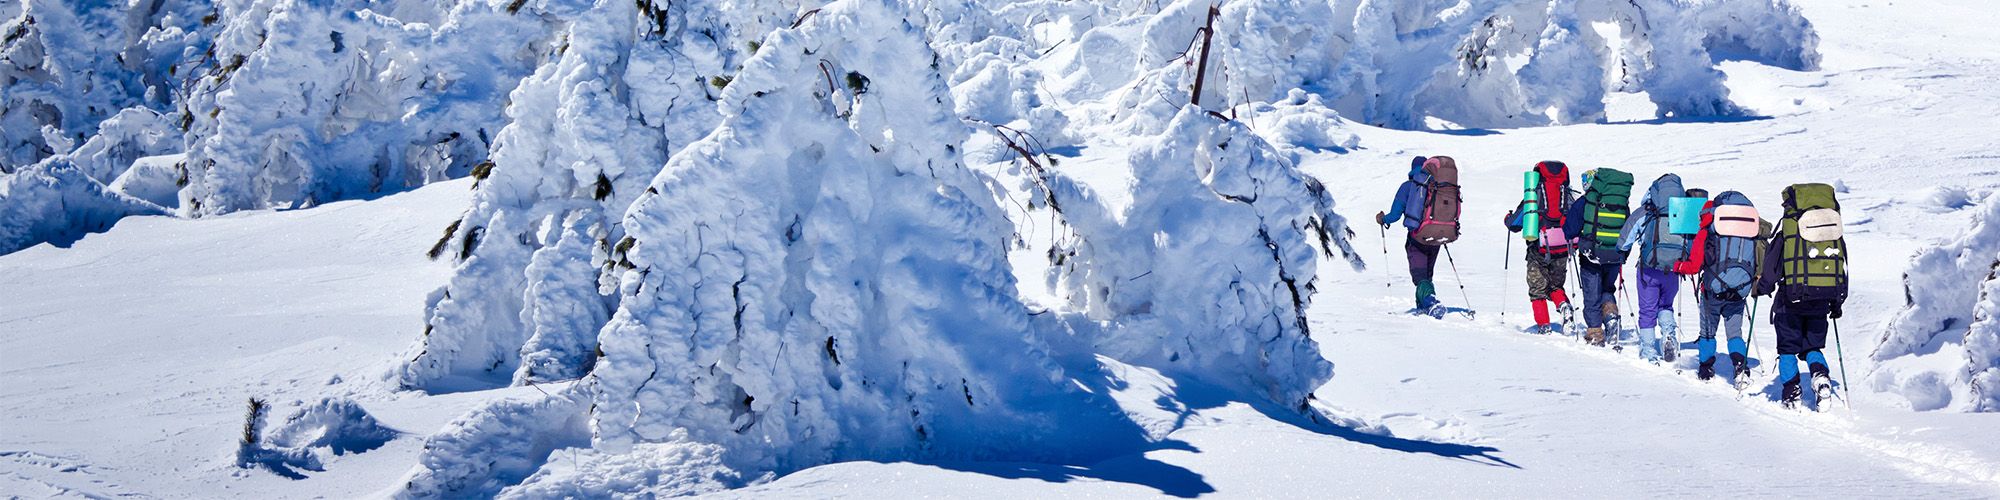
1441	200
1555	200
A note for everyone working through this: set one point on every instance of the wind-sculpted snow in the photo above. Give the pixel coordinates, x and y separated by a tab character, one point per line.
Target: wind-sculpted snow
1953	306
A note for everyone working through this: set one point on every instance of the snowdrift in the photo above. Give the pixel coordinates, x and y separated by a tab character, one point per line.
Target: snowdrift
1942	351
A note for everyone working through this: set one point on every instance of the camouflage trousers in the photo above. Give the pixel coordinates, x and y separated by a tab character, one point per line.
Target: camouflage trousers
1546	273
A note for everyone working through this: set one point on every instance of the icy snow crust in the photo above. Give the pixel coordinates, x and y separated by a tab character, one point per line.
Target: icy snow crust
1943	349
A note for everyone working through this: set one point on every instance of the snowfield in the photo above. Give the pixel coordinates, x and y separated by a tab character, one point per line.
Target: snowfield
685	257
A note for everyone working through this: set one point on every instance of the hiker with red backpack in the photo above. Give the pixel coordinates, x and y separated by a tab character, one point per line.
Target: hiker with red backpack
1725	254
1806	266
1427	204
1540	219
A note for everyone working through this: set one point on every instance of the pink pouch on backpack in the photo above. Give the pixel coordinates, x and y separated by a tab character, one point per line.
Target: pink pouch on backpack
1736	220
1553	237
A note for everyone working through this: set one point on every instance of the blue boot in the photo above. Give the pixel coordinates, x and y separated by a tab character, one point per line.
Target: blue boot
1705	353
1788	373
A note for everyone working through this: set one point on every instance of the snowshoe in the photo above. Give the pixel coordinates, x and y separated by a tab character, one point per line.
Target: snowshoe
1822	391
1790	394
1741	381
1437	311
1706	370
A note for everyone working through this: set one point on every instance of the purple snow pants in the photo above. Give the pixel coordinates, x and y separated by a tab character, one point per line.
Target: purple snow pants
1656	293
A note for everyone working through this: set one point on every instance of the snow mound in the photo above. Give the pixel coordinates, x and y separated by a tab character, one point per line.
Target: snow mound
498	445
330	427
56	202
1943	349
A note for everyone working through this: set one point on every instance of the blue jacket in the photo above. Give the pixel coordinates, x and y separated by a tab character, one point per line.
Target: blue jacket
1410	196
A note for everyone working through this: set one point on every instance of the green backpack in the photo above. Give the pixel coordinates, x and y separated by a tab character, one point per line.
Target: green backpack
1812	261
1606	203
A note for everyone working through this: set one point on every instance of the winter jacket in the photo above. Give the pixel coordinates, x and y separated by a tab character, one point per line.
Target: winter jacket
1768	278
1409	204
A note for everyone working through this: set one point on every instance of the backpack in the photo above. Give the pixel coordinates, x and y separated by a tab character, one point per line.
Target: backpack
1813	259
1543	203
1735	245
1441	203
1662	247
1607	202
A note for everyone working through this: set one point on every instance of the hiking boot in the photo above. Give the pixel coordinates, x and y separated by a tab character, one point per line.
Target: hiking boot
1789	396
1595	336
1706	370
1822	389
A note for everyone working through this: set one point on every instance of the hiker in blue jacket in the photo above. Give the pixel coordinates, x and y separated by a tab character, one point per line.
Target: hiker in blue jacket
1408	206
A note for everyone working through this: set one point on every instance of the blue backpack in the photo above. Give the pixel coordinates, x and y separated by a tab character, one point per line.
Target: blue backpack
1662	248
1734	234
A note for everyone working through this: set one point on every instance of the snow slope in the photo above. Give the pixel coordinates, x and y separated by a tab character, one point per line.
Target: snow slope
125	359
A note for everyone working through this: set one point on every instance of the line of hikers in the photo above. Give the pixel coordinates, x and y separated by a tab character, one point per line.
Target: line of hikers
1720	245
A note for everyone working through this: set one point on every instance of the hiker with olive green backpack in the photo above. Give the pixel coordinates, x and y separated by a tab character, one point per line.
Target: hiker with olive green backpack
1806	266
1595	221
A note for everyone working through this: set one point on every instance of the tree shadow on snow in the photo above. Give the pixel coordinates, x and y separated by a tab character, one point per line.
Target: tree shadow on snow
1135	468
1693	119
1200	396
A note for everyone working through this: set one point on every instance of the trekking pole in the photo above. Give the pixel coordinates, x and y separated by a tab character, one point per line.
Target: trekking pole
1751	339
1460	280
1387	281
1837	351
1506	280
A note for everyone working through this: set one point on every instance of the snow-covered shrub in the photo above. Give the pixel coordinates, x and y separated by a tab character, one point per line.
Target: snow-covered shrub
338	425
56	202
538	248
331	426
1301	120
498	445
1209	271
155	179
1949	322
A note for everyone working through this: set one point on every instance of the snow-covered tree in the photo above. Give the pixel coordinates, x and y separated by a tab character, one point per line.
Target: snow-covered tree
540	246
1407	63
305	102
1209	271
1953	312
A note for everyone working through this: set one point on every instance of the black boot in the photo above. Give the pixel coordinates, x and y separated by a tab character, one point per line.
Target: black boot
1706	370
1790	395
1740	377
